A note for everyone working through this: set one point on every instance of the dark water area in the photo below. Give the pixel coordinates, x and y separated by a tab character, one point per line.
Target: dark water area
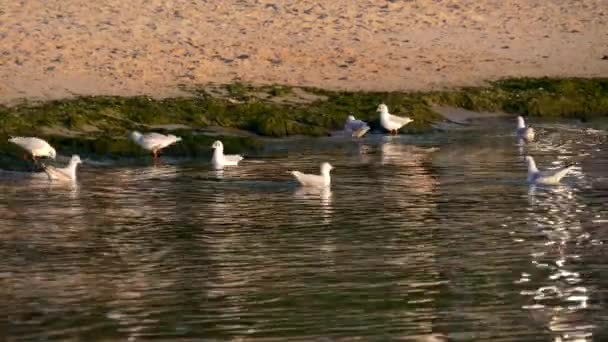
421	238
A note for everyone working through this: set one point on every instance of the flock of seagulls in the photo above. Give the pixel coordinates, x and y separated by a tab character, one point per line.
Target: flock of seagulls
155	142
553	177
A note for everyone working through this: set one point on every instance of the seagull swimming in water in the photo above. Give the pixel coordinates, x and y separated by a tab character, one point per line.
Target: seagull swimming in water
67	173
357	128
318	181
390	122
219	159
154	141
524	132
35	146
545	177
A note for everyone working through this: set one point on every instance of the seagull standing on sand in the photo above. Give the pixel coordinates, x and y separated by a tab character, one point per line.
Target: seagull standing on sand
219	159
391	123
67	173
545	177
154	141
35	146
357	128
318	181
523	131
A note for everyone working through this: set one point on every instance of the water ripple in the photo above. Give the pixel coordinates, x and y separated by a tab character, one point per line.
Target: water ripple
425	238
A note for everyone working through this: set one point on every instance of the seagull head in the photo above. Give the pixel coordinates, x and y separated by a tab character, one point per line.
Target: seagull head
135	135
325	168
75	159
217	144
382	108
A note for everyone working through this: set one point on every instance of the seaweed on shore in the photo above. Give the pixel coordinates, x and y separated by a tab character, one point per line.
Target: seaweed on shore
100	124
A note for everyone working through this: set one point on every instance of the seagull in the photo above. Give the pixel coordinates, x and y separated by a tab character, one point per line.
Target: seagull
154	141
523	132
391	123
319	181
219	159
357	128
35	146
67	173
545	177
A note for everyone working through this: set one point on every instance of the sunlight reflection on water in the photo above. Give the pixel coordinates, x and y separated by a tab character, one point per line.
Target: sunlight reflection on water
419	237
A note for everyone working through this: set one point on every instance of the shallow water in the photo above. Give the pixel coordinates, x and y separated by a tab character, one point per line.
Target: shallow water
422	238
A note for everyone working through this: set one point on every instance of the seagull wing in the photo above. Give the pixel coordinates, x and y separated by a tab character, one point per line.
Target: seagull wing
356	125
233	158
30	143
400	120
552	177
562	173
157	140
308	179
55	173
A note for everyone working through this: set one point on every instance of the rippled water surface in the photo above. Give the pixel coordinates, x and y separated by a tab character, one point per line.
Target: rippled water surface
422	238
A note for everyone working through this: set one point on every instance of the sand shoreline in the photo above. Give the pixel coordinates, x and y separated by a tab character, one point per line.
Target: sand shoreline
57	49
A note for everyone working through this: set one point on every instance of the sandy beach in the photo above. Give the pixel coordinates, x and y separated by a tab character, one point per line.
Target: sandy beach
59	48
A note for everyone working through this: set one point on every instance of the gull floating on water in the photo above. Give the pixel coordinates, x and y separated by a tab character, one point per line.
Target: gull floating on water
357	128
523	131
545	177
154	141
67	173
319	181
219	159
390	122
35	146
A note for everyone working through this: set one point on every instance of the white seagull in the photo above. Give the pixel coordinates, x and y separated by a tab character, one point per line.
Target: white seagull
219	159
319	181
545	177
67	173
35	146
354	127
154	141
390	122
523	131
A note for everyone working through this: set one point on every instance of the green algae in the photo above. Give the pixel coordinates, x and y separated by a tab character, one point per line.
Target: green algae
100	124
543	97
